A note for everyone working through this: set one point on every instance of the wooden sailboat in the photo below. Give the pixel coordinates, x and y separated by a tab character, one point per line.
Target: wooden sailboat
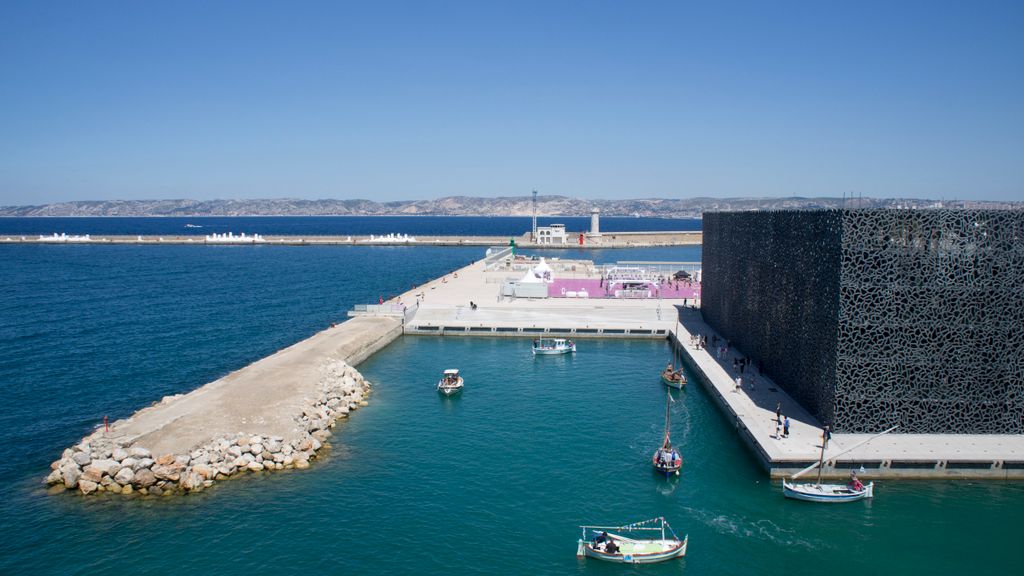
597	542
831	493
667	459
673	378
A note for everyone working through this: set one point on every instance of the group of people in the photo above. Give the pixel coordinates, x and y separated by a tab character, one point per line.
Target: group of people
668	458
604	543
672	374
698	341
781	422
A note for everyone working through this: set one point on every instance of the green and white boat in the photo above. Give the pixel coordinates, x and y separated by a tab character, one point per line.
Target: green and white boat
597	542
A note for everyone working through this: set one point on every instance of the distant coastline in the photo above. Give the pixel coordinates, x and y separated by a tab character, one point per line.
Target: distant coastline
522	206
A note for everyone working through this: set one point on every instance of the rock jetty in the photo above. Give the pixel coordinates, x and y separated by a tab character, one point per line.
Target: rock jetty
108	462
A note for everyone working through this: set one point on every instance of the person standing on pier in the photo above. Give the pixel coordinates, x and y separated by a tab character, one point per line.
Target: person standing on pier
785	428
826	435
778	412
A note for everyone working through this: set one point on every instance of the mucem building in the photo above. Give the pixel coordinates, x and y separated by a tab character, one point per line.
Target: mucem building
872	318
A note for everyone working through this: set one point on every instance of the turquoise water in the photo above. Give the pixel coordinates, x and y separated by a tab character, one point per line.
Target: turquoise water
494	481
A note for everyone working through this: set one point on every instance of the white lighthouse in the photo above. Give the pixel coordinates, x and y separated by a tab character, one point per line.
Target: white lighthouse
594	236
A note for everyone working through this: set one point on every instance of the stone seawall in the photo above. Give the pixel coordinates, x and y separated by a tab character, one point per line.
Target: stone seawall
274	414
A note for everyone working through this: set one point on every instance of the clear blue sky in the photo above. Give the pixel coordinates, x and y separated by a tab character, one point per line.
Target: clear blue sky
409	100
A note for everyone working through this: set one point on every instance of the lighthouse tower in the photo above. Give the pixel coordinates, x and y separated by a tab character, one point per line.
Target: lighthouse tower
594	236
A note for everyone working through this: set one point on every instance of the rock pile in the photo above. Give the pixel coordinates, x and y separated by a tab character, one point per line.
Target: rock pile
103	463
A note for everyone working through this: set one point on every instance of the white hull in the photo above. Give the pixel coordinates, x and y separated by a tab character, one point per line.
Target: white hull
449	389
552	351
670	549
830	493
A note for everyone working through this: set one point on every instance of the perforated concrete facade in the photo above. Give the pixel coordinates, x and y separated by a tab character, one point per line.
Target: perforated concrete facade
871	318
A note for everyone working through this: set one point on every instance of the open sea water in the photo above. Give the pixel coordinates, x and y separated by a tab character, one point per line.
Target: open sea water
329	225
494	481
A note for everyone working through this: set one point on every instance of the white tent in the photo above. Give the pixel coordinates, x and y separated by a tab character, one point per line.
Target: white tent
530	278
543	272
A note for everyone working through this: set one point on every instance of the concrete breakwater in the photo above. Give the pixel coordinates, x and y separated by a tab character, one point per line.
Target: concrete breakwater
100	463
274	414
608	240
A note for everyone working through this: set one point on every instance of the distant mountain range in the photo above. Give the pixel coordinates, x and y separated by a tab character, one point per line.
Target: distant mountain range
467	206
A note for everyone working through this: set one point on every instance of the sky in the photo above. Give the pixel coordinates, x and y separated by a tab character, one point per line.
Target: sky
598	99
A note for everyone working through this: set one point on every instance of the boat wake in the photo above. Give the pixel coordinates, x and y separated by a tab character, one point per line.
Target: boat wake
761	529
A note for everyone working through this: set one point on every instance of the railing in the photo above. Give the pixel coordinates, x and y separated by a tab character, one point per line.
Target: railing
379	310
496	254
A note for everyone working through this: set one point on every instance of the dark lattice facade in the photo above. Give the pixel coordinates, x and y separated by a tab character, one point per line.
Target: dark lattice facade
871	318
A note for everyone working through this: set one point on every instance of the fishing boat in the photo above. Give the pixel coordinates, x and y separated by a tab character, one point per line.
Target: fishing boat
673	378
545	346
598	542
450	383
667	459
830	493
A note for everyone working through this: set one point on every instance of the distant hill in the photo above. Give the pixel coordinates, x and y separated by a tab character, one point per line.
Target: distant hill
463	206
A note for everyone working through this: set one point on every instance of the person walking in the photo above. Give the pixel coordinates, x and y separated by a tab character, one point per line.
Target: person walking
826	435
785	428
778	412
777	428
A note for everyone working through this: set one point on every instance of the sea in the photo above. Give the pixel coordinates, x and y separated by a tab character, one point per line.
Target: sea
329	225
494	481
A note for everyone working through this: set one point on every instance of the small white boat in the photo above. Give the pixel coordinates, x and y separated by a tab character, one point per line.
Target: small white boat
827	492
831	493
598	542
450	383
545	346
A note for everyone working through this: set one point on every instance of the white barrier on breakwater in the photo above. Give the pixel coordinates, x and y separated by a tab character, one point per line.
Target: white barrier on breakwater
389	239
230	238
64	238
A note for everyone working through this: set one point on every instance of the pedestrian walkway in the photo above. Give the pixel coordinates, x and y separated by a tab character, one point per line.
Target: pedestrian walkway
753	406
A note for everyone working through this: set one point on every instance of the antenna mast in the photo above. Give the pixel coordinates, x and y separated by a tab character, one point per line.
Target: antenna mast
533	236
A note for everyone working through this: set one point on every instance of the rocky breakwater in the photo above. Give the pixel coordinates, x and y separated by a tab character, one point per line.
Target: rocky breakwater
108	462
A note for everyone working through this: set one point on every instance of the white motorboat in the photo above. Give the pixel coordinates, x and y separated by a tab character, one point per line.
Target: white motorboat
450	383
546	346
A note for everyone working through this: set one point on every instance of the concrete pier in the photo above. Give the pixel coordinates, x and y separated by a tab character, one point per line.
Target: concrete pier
752	409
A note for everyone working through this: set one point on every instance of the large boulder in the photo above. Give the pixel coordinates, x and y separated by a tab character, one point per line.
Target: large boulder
55	477
82	458
203	470
124	476
166	472
92	474
71	474
87	487
144	478
105	466
143	463
139	452
119	454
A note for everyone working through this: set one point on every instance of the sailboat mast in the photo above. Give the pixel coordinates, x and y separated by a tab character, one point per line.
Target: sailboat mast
821	460
668	398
